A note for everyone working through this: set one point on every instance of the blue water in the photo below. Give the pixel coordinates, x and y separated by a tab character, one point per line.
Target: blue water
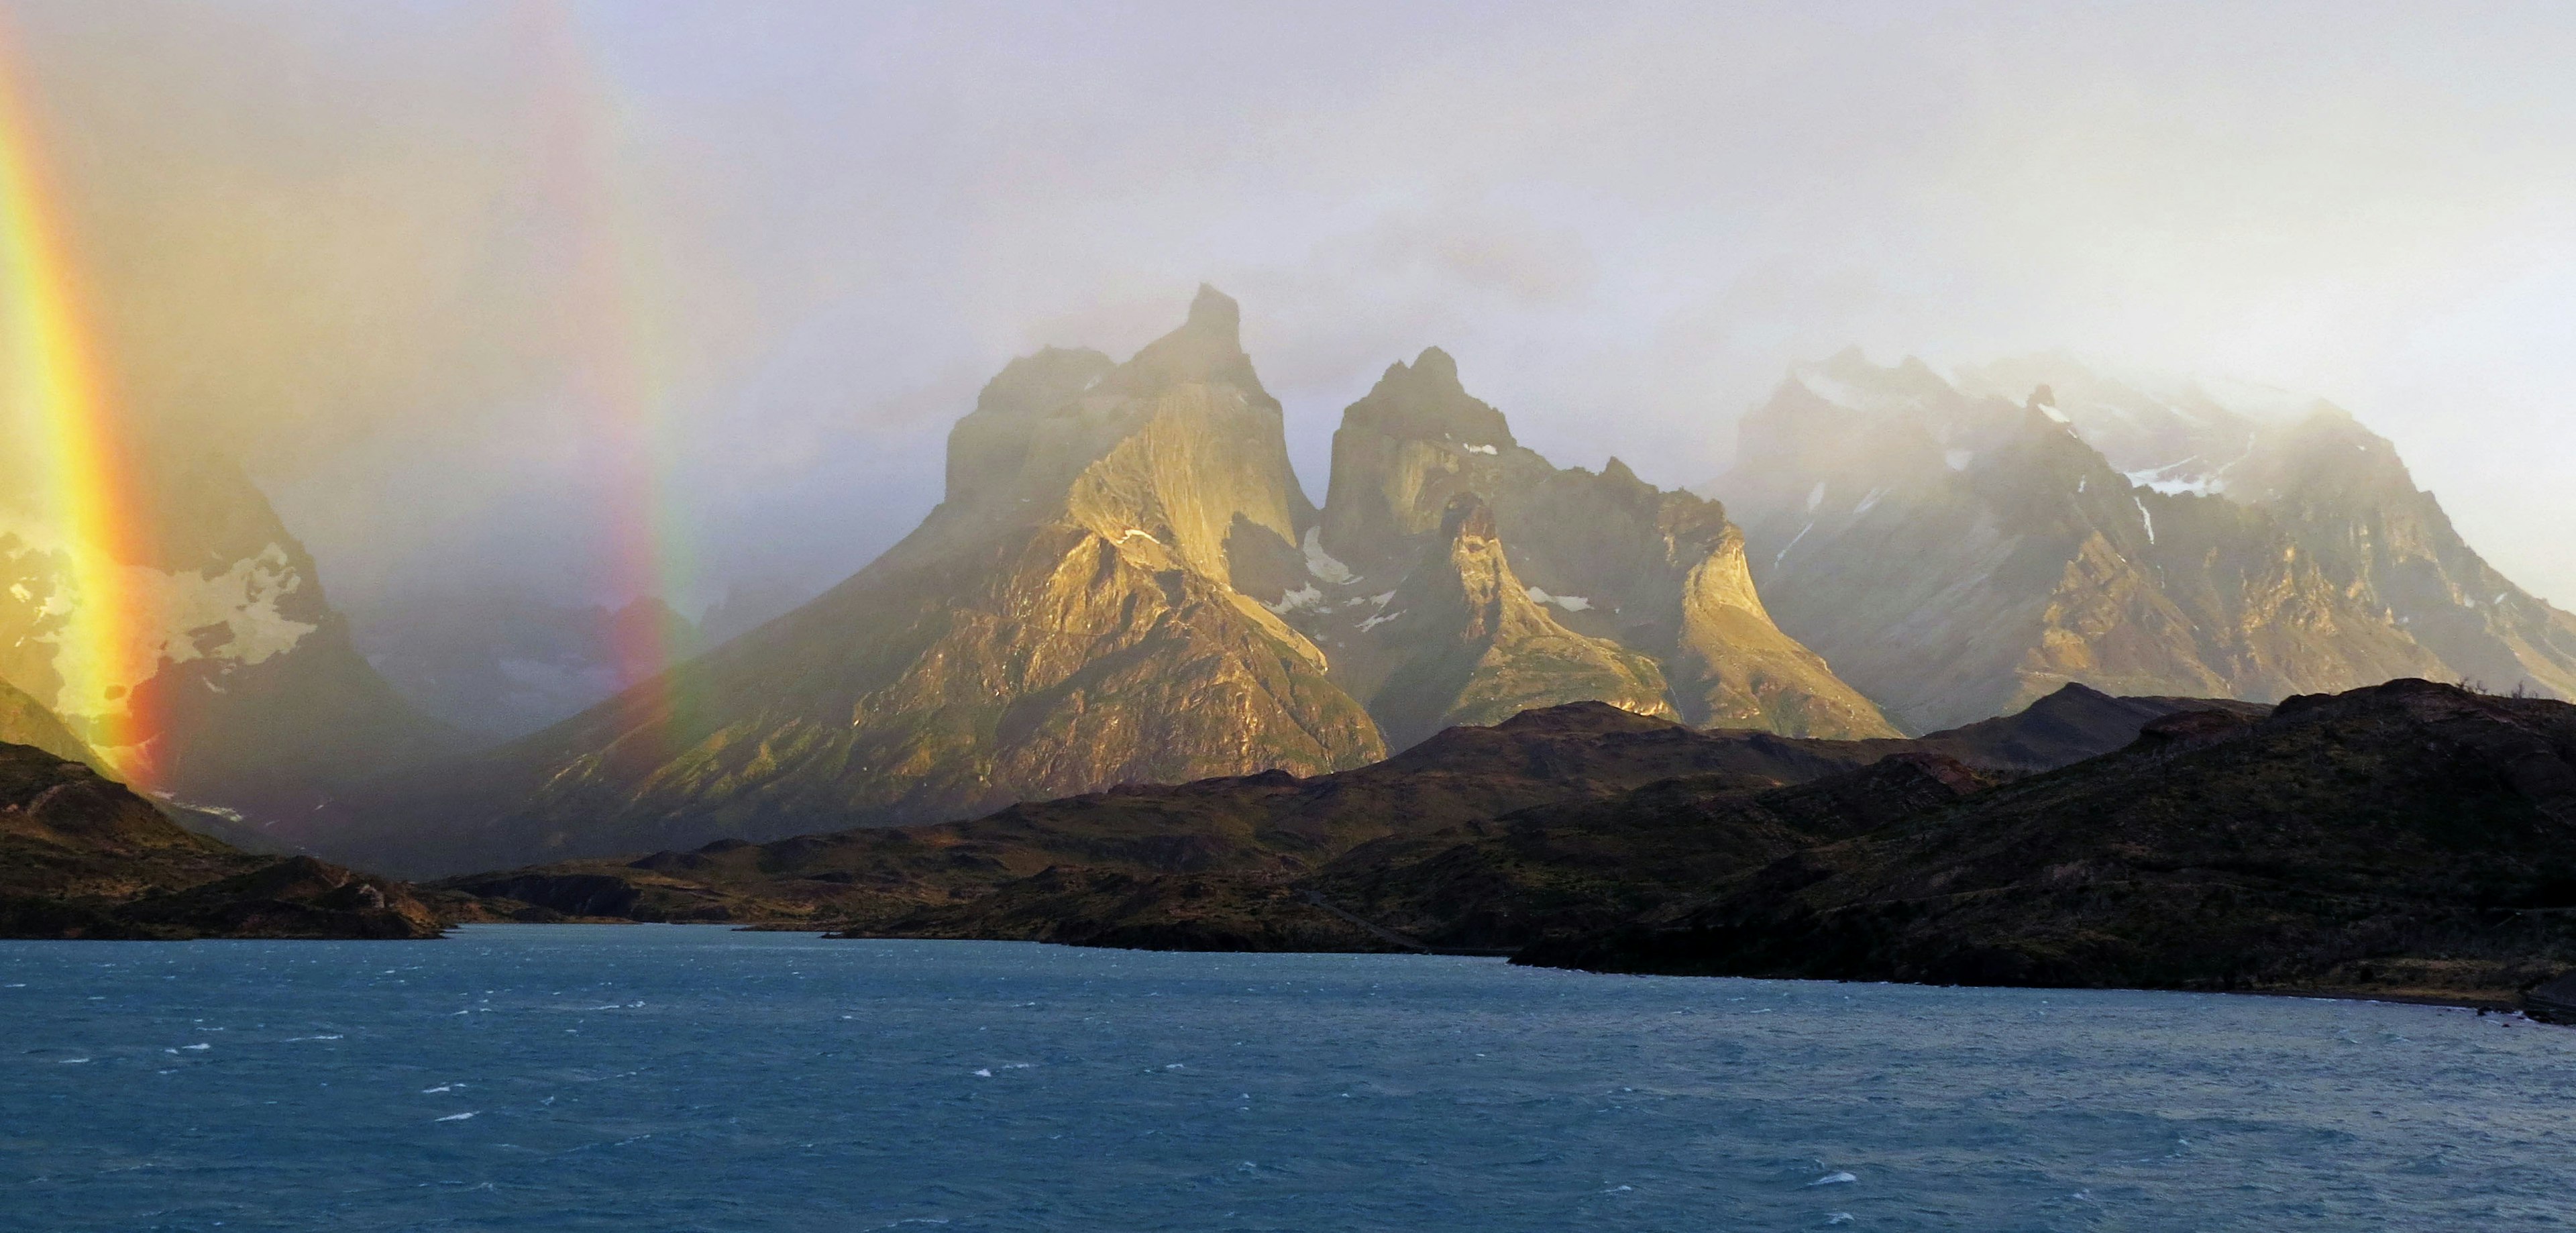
660	1078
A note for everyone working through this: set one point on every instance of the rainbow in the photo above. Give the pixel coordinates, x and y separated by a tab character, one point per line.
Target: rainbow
55	382
619	372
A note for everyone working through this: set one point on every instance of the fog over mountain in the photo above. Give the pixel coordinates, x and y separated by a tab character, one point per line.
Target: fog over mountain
389	256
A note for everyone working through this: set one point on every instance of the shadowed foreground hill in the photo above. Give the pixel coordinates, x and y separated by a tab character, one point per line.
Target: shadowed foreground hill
1233	844
81	856
2409	839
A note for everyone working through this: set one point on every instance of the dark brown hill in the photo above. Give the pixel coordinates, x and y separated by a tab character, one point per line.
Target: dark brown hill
2408	839
1270	828
83	856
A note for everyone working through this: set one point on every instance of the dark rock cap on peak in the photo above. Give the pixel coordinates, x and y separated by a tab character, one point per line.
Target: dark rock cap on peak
1436	365
1215	312
1207	347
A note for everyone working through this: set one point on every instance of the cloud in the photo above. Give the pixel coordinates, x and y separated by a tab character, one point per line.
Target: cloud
341	238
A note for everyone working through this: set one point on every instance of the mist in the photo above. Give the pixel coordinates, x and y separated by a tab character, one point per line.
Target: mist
348	243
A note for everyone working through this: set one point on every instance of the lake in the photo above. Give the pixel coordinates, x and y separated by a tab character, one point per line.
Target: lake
645	1078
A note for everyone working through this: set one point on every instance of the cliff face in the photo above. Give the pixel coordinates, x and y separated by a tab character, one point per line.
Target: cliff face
256	699
1957	554
1469	645
1625	592
1066	620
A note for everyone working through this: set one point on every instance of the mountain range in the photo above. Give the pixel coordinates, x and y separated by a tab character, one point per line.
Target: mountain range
1956	549
1126	584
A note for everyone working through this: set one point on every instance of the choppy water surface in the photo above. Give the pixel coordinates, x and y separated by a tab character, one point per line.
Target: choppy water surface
651	1078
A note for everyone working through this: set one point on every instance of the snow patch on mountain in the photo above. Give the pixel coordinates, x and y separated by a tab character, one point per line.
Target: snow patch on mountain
1321	563
1306	596
233	619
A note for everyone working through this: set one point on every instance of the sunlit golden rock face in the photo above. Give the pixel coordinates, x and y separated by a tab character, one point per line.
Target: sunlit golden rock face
1656	580
1959	554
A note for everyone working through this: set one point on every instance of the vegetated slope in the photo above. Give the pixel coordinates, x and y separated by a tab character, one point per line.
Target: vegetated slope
1065	621
256	701
2407	839
1956	554
82	856
1255	836
1575	584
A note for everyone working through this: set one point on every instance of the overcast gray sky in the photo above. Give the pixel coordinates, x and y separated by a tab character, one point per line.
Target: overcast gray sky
352	239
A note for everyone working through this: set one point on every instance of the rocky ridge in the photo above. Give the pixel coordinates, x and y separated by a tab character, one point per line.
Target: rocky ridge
1240	850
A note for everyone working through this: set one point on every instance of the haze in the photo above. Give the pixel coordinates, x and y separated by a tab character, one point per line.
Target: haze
388	254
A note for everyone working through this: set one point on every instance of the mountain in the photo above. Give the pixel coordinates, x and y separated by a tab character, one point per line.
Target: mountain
1233	853
83	856
1067	619
1956	552
1458	576
257	702
2343	494
1126	584
2407	839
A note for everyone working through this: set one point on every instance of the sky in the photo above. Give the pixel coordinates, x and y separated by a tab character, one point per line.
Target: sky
456	280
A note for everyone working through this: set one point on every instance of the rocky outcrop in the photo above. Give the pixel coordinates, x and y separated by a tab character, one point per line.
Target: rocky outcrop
1958	554
81	856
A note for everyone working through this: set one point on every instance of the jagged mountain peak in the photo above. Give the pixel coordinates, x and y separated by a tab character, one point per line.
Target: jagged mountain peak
1214	312
1615	567
1425	400
1207	348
